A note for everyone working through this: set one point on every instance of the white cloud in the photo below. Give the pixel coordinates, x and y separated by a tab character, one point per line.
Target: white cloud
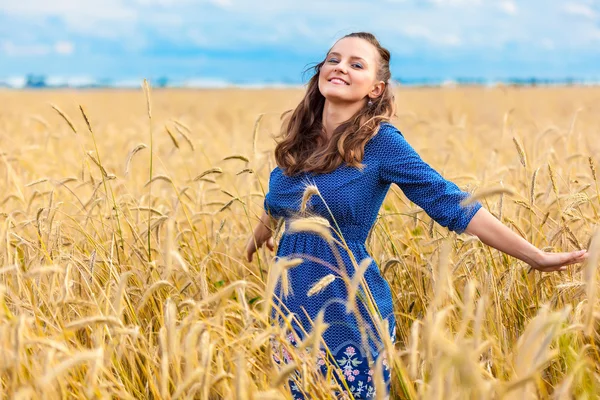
595	34
16	81
182	3
108	18
129	83
13	50
422	32
163	3
70	9
508	6
547	44
197	37
405	26
64	48
222	3
206	83
580	10
70	80
457	3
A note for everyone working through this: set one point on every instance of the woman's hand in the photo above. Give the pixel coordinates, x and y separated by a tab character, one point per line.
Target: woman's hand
494	233
254	244
263	233
549	262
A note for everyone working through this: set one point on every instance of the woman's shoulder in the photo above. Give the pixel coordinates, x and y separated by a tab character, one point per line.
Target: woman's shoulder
387	132
387	127
275	171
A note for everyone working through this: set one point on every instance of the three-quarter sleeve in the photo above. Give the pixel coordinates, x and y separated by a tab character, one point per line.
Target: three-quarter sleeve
269	210
270	202
424	186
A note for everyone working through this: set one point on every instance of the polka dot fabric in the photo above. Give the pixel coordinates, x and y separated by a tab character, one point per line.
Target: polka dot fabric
352	199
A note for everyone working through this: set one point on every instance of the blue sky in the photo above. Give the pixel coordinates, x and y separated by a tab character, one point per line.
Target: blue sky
273	41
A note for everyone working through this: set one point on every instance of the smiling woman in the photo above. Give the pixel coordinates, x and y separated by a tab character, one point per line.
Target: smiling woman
336	161
347	98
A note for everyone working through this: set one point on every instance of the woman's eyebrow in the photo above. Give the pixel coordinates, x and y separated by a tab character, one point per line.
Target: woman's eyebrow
333	53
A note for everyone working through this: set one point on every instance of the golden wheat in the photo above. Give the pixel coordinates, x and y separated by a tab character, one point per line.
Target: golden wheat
117	283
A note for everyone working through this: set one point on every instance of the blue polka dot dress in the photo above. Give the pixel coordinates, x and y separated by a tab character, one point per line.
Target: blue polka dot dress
350	200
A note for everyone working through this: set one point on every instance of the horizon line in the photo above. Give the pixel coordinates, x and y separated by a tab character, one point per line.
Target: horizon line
43	82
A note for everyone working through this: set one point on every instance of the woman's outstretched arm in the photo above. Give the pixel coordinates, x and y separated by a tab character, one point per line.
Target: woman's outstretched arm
262	233
497	235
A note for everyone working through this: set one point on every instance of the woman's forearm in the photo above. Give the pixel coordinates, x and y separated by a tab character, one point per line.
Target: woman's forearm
497	235
262	234
264	228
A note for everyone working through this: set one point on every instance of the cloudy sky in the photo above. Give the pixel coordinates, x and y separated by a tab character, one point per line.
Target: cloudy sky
259	41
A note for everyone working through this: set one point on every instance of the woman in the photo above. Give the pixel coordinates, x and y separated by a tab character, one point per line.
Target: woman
339	140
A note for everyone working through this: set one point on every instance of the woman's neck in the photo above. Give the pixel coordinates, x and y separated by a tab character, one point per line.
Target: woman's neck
334	114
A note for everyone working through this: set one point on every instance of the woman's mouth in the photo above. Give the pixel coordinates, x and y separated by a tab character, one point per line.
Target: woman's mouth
338	81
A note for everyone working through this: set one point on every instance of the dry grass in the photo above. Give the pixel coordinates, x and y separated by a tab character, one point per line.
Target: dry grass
123	217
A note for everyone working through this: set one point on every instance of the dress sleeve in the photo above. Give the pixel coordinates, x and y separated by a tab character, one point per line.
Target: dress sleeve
268	204
266	207
424	186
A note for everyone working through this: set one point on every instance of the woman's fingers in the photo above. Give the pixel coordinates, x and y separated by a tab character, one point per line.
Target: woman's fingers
576	257
252	246
271	244
559	261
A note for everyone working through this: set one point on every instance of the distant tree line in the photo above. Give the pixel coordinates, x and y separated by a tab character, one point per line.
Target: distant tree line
34	81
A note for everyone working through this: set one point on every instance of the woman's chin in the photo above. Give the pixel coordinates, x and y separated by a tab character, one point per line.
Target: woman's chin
336	98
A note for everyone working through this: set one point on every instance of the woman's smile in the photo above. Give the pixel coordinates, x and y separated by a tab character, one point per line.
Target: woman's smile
338	81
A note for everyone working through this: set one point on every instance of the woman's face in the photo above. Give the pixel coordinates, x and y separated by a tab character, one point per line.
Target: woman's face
350	71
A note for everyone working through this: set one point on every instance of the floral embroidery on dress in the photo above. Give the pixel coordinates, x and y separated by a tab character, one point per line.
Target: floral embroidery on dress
349	363
277	349
321	358
351	367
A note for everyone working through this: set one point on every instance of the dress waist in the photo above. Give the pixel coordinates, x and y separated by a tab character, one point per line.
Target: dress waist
350	233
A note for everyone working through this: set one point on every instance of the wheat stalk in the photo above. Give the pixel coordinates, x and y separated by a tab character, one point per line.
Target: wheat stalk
318	225
590	273
521	152
320	285
483	194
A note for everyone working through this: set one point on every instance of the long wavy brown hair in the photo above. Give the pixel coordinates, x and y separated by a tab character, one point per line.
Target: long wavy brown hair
302	146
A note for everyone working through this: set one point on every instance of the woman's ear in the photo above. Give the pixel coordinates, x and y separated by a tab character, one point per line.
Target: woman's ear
377	89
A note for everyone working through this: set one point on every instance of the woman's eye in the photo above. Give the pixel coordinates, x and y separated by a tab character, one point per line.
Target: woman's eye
355	65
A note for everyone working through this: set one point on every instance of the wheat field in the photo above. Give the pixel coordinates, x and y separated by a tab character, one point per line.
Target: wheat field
124	215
